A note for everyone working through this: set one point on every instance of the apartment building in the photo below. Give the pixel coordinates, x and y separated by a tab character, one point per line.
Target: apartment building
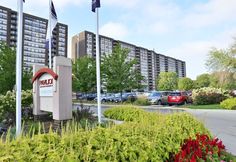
150	63
34	37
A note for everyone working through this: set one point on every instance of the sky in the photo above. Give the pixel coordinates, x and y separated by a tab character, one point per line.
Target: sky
183	29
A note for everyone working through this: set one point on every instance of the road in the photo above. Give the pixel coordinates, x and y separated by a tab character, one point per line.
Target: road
222	123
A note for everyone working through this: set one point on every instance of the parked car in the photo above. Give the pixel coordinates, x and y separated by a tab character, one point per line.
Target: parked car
91	96
105	97
122	98
155	98
158	97
177	98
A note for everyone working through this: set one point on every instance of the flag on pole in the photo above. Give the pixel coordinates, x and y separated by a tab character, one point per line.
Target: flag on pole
53	22
95	4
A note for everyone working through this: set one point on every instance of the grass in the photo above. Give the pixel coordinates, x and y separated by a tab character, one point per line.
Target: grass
213	106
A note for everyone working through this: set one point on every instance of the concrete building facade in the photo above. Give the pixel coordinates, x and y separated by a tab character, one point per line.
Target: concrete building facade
34	37
150	63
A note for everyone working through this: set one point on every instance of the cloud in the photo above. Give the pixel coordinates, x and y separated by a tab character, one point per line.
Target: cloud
120	3
210	13
114	30
195	52
40	7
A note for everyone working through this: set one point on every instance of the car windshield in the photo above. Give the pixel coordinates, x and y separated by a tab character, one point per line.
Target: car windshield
175	94
154	94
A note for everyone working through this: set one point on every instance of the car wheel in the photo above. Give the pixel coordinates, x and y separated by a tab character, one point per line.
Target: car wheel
159	102
170	104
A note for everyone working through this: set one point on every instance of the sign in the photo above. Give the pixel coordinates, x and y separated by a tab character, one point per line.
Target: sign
46	85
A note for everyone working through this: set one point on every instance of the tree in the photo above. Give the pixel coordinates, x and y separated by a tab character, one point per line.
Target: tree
222	79
185	84
222	59
222	64
8	70
202	80
84	75
119	72
167	81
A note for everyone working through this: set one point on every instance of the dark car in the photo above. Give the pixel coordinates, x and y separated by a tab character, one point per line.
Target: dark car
177	98
122	98
91	96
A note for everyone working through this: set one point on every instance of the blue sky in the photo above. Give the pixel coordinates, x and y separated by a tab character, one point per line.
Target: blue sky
183	29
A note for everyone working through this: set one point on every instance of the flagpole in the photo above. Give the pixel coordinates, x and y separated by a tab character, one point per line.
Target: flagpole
19	66
98	69
50	35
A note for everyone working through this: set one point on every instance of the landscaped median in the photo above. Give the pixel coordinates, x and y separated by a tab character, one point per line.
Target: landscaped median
144	136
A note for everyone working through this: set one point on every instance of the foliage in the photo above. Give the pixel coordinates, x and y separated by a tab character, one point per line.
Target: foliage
83	112
203	148
131	141
167	81
229	103
222	62
212	106
209	95
222	59
185	84
8	70
222	79
142	101
8	105
119	72
84	75
125	113
202	80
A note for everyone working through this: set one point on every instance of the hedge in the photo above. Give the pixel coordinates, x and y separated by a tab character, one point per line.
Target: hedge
209	95
154	137
229	103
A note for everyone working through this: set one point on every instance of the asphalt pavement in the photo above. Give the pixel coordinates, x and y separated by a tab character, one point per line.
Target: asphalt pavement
221	123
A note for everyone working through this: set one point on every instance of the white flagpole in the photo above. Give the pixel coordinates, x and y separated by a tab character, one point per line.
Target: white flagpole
19	66
50	35
98	70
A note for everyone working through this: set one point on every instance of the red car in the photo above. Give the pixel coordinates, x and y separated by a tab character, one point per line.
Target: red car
177	98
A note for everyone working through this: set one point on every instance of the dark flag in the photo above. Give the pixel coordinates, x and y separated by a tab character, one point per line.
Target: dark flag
53	20
23	0
95	4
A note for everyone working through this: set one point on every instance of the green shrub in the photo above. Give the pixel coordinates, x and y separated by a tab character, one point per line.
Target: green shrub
209	95
8	105
125	113
229	103
142	101
138	140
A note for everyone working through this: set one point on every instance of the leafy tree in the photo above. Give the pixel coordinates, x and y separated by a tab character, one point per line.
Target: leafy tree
222	79
222	59
222	64
84	75
185	84
119	72
167	81
8	70
202	80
